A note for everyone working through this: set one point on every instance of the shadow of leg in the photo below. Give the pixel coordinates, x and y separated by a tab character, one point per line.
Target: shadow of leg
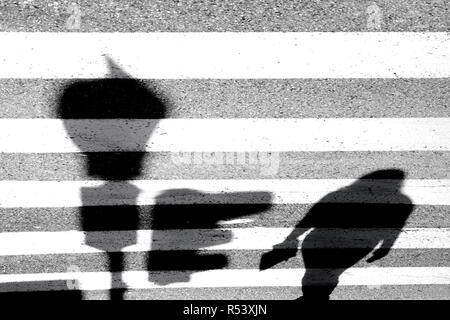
318	283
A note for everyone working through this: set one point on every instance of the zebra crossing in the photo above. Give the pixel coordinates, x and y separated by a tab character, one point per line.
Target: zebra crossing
260	126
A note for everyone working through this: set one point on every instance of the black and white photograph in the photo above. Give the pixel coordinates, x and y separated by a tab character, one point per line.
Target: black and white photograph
225	155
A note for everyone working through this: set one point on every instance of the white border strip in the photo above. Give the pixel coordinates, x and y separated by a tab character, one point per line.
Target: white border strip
225	135
53	194
235	278
258	238
237	55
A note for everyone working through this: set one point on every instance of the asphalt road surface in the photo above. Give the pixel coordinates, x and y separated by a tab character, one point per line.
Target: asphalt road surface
177	186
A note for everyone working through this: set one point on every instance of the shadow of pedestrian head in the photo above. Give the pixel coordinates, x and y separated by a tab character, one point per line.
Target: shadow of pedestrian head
187	228
114	149
375	200
378	186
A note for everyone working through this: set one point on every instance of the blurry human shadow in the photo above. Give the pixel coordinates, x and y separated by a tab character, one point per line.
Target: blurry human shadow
117	97
182	230
347	225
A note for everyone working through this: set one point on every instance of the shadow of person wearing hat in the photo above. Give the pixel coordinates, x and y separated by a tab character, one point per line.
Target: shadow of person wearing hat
345	226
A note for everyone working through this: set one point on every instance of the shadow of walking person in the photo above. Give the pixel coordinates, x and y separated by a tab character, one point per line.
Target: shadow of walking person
114	151
184	221
348	224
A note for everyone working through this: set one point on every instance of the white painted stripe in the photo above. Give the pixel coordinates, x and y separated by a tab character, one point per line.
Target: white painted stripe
222	135
258	238
227	55
236	221
237	278
46	194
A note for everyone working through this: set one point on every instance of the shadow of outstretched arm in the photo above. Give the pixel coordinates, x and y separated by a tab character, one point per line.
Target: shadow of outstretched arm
288	248
385	248
391	234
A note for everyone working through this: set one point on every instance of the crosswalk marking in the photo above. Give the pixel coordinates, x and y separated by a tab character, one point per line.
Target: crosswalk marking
238	278
257	238
53	194
42	215
238	55
209	135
